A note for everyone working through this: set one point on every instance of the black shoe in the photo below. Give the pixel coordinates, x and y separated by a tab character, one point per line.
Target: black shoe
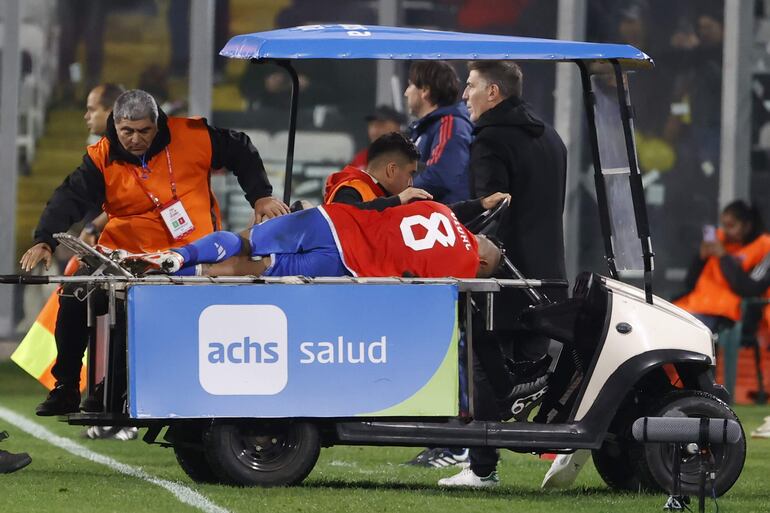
524	398
10	462
440	457
94	403
61	400
528	370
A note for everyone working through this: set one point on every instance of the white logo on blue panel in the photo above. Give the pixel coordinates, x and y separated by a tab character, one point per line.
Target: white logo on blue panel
243	350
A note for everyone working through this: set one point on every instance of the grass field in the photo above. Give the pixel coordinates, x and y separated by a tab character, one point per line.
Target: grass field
345	478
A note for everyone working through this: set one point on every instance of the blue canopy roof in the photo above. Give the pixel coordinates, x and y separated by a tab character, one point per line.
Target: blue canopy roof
376	42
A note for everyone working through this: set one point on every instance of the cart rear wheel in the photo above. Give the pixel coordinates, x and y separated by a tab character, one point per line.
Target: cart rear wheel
264	454
728	458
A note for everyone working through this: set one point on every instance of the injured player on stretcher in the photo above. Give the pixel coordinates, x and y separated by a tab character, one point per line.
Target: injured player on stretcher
421	239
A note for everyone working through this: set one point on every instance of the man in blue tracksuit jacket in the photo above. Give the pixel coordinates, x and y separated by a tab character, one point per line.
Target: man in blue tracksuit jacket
442	134
442	131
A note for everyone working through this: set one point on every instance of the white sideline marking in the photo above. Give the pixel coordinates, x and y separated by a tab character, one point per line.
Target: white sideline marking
181	492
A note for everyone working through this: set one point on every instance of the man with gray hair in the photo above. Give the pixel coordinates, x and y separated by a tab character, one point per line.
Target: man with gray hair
151	173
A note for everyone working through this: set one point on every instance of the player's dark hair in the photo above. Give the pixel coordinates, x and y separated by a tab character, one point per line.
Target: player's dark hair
393	142
439	77
505	74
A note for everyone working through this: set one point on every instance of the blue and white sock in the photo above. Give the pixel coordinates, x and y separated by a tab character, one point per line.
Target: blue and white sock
212	248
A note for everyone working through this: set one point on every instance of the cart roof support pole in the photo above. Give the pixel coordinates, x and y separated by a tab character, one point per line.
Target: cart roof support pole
734	161
389	13
9	122
285	64
571	25
201	57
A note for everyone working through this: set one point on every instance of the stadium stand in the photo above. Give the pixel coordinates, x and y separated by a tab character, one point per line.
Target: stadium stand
38	42
316	155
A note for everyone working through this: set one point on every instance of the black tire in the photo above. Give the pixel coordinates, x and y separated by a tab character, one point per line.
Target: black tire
729	458
188	449
264	454
617	460
195	465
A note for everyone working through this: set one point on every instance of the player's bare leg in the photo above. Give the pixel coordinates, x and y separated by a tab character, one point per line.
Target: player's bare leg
236	266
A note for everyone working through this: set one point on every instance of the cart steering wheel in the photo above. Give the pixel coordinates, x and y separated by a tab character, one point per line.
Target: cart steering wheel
488	221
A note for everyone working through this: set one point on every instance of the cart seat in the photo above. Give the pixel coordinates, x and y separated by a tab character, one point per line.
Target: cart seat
575	320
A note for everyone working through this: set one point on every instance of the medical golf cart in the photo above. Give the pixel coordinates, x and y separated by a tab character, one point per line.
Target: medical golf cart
251	376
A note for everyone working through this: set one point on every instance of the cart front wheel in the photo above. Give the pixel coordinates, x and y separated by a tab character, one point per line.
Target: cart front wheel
262	454
728	459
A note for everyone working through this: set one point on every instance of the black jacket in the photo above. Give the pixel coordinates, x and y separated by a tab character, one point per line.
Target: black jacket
746	284
83	190
515	152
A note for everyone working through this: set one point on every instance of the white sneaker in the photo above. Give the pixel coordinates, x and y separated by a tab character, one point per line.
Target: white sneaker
468	479
127	433
111	433
762	431
564	469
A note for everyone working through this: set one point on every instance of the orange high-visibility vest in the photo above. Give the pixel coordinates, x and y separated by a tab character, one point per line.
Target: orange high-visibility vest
135	224
712	294
352	177
36	353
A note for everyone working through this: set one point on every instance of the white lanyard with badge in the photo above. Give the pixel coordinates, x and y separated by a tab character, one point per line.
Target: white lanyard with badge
173	213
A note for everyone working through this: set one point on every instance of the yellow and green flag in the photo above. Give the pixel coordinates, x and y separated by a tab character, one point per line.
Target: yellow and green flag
36	353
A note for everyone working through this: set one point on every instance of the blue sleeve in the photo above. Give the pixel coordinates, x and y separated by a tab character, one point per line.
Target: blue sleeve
446	174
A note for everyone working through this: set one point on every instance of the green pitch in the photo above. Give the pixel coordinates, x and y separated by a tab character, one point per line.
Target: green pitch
345	478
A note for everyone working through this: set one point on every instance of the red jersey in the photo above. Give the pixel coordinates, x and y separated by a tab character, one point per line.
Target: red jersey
422	239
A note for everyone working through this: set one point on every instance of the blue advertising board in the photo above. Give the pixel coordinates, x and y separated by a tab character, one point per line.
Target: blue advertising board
292	350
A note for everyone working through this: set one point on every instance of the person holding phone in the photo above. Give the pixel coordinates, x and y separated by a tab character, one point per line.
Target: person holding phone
727	254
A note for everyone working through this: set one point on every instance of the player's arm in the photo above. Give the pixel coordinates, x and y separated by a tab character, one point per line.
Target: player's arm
408	195
467	210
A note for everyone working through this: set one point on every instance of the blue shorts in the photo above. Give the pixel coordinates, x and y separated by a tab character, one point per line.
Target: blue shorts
299	244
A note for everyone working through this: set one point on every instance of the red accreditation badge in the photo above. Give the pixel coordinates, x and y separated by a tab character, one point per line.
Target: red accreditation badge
177	220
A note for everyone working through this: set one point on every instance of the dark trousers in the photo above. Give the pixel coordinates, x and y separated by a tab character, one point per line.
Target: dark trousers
72	330
493	382
82	19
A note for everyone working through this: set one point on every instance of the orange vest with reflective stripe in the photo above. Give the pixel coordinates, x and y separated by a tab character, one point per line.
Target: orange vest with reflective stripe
134	224
352	177
712	294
